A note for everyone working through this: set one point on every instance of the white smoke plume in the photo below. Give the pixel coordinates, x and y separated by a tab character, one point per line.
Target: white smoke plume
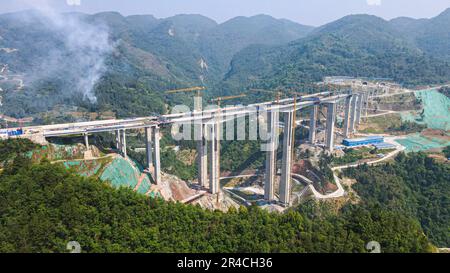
85	46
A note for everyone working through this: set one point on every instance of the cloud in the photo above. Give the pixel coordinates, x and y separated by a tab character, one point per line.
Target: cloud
373	2
73	2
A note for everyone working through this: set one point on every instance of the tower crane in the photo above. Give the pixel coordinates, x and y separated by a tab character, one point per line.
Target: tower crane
220	99
198	89
278	94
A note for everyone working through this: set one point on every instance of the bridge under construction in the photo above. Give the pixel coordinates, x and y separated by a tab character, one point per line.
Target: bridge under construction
208	123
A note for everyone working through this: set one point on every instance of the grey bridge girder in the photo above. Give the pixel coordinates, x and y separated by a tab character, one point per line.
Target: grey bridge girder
209	122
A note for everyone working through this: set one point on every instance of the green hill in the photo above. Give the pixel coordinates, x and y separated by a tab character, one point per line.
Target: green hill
122	63
357	45
110	62
44	206
430	35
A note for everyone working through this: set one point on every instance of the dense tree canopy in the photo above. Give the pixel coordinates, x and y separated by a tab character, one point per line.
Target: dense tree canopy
413	185
43	206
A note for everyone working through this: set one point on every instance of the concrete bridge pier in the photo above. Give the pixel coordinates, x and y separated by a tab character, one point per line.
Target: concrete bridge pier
202	155
86	142
149	150
366	103
331	118
353	113
347	108
117	135
360	108
157	158
313	124
123	142
271	155
214	158
286	165
200	131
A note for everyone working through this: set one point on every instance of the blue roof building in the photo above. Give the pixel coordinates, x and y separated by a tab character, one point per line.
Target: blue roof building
351	142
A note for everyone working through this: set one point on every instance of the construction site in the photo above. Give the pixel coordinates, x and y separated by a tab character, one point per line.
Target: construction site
310	139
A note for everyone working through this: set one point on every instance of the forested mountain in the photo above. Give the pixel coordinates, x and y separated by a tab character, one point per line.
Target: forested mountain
222	42
356	45
413	185
430	35
123	63
44	206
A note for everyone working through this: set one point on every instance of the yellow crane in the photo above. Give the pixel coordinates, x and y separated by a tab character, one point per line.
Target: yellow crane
199	90
220	99
277	94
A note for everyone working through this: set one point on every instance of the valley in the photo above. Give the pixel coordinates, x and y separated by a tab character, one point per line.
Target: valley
133	133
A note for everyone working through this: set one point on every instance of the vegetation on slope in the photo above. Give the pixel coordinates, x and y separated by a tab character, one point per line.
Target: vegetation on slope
446	151
430	35
445	91
11	148
414	185
44	206
357	45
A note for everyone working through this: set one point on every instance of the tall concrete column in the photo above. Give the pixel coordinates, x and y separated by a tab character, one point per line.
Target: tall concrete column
366	104
202	157
118	143
86	141
347	108
313	124
124	143
214	164
218	138
331	118
157	159
353	113
288	146
149	149
271	155
360	107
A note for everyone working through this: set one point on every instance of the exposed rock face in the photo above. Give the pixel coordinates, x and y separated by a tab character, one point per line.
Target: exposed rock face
173	188
212	202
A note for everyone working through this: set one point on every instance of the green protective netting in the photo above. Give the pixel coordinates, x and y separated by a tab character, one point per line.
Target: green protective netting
145	185
57	152
84	168
436	113
124	173
416	143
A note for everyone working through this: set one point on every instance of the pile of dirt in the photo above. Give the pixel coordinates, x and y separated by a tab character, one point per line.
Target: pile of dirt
302	167
173	188
329	187
212	202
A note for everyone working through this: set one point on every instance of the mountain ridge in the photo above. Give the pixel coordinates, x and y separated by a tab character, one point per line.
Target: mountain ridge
150	54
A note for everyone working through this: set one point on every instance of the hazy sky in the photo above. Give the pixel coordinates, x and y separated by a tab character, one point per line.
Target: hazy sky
312	12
